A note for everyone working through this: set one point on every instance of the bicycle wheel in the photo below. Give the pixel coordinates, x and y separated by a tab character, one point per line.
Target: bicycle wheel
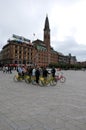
63	79
41	81
48	83
33	80
27	79
53	82
17	78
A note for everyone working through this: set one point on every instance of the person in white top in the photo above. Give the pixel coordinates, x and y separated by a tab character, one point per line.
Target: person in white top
33	74
33	71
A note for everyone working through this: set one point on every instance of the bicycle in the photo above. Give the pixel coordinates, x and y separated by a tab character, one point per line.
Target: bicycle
47	81
60	77
18	77
31	79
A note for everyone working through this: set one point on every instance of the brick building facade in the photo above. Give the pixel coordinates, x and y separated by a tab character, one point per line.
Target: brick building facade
19	50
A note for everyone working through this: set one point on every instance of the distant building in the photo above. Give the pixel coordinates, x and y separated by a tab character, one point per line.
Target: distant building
20	50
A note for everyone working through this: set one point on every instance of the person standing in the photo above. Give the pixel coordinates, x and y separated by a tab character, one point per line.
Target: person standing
37	74
4	69
53	71
45	72
33	75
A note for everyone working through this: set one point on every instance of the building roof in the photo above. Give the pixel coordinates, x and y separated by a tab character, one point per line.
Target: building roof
39	42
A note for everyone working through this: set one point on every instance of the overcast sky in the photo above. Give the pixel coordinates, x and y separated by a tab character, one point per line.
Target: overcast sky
67	19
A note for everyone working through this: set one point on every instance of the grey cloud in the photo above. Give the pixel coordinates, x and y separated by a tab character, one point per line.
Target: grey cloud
22	17
69	45
68	2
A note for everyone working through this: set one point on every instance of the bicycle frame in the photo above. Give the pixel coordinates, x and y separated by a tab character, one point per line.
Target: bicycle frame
31	79
60	78
18	77
47	81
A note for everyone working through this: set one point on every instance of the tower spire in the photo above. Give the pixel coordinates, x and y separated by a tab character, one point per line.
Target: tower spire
46	27
47	37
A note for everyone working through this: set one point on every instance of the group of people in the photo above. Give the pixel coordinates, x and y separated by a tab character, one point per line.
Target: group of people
7	69
35	71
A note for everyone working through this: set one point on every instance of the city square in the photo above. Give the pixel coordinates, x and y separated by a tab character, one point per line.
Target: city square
35	36
29	107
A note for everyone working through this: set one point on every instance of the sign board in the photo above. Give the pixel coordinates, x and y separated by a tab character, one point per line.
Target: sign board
20	38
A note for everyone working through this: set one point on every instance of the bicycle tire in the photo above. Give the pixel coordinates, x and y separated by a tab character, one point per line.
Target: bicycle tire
27	80
16	78
33	80
53	82
48	84
41	82
63	79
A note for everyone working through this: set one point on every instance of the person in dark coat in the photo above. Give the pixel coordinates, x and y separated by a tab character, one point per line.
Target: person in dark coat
45	72
53	71
37	74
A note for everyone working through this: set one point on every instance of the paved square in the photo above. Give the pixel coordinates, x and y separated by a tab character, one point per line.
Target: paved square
27	107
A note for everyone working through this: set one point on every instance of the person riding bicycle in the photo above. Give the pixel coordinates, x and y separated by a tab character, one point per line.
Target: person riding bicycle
24	70
45	73
19	70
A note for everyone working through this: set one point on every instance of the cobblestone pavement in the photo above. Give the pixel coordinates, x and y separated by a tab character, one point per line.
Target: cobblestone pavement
27	107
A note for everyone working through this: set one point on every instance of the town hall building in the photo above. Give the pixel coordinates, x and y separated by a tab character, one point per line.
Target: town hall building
20	50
